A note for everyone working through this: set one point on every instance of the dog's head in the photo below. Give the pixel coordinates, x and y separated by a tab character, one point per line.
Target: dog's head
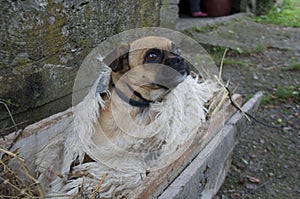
147	68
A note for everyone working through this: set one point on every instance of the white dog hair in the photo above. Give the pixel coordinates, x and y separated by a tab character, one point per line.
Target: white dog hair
127	159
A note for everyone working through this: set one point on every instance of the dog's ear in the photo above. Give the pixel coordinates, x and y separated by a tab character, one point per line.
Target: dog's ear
117	60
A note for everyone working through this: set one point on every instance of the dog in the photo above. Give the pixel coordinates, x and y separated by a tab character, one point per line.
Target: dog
141	74
143	120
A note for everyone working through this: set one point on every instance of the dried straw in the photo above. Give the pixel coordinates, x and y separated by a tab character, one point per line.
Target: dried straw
98	186
15	178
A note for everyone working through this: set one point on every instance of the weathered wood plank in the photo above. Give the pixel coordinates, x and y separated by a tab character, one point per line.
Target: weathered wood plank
202	177
47	126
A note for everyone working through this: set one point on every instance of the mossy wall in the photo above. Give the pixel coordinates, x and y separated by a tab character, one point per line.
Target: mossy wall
43	43
263	6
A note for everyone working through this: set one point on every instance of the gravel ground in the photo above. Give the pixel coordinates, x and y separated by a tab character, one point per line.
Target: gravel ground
265	163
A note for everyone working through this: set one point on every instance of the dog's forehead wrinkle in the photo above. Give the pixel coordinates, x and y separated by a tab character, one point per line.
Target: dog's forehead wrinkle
151	42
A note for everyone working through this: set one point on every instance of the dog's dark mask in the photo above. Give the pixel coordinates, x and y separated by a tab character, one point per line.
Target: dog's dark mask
177	67
170	59
170	69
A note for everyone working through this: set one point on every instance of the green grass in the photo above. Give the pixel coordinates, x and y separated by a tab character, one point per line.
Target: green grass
292	67
267	99
248	96
229	61
216	52
287	15
282	93
260	48
204	29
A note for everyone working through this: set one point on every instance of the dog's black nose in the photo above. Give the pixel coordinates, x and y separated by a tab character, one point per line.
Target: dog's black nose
174	61
178	64
179	60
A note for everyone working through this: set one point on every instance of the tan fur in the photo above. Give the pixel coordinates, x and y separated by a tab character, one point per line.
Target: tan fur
139	74
138	47
143	74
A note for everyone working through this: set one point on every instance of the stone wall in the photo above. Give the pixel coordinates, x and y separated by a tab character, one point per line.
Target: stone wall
43	43
169	13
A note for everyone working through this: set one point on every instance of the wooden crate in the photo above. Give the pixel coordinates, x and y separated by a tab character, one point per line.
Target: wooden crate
197	173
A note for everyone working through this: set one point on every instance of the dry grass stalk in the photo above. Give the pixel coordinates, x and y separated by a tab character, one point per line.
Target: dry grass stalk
15	178
220	98
98	186
225	92
10	115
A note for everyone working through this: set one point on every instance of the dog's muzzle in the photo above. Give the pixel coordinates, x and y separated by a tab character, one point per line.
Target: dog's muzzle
177	63
176	71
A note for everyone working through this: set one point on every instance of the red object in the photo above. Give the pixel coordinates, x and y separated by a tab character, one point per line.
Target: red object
199	14
217	8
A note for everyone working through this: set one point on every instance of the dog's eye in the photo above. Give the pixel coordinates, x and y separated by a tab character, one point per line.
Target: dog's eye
152	57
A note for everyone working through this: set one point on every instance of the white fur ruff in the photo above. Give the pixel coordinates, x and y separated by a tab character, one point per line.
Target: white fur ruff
127	159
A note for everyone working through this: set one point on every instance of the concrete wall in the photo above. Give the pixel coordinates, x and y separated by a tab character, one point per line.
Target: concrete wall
43	43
